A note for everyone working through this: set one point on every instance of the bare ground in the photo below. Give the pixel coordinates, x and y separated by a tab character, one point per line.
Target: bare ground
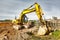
8	33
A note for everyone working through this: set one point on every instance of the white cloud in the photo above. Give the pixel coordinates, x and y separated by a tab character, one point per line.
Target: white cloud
12	8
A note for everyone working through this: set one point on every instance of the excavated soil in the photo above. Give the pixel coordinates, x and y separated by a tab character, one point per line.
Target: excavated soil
7	32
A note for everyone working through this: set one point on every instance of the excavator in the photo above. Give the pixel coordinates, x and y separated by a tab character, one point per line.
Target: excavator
36	8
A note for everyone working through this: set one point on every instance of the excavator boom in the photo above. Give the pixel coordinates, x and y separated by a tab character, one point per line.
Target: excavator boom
36	9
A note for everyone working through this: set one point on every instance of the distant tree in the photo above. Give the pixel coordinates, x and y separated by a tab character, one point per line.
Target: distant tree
6	20
55	18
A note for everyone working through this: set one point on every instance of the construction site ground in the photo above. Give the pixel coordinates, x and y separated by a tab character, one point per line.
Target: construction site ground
7	32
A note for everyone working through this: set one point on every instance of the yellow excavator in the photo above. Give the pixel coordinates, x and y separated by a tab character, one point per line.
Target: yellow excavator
36	8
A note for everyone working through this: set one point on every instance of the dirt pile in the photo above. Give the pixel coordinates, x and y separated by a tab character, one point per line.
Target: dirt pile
7	32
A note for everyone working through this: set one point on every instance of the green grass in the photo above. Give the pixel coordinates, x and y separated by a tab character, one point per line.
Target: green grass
56	34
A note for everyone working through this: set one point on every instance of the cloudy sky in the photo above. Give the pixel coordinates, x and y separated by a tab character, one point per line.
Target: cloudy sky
11	8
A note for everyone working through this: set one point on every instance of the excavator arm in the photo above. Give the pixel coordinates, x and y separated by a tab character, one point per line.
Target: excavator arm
36	9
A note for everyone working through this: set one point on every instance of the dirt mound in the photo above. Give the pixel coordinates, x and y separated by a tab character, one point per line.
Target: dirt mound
7	32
